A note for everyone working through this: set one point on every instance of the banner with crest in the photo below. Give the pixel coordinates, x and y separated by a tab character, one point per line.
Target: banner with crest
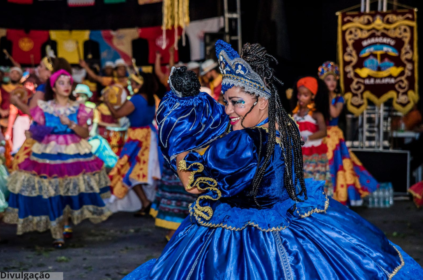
378	59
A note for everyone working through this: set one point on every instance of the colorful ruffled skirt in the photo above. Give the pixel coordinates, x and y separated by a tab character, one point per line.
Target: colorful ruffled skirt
316	165
329	242
138	164
56	179
417	191
350	179
171	205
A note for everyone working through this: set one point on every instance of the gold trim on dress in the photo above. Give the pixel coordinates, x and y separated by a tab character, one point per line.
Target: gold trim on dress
315	210
398	267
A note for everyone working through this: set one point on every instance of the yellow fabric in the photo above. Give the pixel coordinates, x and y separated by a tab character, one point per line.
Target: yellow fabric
347	175
92	86
9	87
67	44
122	40
23	153
140	171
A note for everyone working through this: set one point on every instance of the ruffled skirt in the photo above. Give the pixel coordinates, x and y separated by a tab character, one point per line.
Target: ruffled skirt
350	179
316	165
336	245
171	205
138	164
56	179
417	191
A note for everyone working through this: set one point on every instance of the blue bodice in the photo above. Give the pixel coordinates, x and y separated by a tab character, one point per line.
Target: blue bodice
58	128
225	170
336	100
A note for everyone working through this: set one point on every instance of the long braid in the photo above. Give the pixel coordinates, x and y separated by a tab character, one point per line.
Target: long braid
256	56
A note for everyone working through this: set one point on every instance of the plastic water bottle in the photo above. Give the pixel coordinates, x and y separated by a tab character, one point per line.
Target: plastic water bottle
376	198
370	201
391	195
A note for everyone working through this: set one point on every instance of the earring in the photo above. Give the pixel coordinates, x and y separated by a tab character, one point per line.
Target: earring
255	103
311	106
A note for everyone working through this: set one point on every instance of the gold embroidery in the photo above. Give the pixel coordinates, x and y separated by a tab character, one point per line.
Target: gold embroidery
206	212
315	210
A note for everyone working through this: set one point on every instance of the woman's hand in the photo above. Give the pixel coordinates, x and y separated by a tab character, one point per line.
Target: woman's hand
65	120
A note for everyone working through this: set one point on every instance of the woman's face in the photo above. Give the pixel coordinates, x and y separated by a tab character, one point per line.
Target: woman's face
63	86
43	72
305	96
331	82
238	103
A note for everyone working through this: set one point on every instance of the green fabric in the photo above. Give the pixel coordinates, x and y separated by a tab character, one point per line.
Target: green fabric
4	192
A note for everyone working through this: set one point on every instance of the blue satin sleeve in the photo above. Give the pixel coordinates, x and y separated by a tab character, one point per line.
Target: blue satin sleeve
231	161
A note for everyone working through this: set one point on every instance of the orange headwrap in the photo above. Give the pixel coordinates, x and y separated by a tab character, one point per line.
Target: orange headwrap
308	82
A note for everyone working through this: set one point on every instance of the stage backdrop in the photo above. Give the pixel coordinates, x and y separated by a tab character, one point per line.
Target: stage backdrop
378	59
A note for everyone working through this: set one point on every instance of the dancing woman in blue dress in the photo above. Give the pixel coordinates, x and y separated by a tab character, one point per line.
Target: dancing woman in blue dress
256	217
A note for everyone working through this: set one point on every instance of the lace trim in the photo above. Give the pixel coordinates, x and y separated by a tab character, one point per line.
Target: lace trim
398	267
27	184
96	214
206	212
47	107
315	210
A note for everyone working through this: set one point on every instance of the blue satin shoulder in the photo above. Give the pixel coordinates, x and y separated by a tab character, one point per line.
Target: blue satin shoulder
187	123
225	172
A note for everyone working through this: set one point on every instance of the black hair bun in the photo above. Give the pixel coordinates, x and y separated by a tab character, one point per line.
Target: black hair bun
185	82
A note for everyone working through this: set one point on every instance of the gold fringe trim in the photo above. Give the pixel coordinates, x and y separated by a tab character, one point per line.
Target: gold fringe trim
399	267
206	212
42	223
315	210
27	184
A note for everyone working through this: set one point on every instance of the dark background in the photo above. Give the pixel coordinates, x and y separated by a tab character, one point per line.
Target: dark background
302	34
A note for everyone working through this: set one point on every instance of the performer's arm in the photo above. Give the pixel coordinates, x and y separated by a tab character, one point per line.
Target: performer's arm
80	130
158	70
322	127
124	110
90	72
335	110
14	100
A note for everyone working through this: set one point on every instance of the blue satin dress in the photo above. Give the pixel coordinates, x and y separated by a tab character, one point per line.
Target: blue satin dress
227	236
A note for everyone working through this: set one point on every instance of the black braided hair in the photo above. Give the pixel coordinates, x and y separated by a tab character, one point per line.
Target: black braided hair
185	82
259	60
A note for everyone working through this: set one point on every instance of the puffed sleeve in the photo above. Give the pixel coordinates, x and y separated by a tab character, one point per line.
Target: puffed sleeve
229	162
38	116
84	114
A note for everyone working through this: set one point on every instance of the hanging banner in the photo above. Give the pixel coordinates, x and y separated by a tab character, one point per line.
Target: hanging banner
378	59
